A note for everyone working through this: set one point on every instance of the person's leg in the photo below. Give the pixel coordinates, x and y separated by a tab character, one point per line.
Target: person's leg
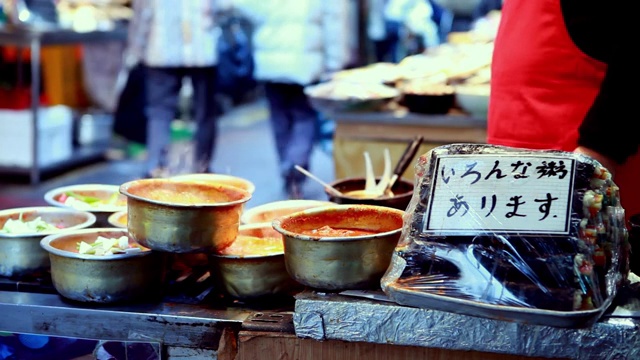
303	134
162	86
380	50
277	99
205	115
393	40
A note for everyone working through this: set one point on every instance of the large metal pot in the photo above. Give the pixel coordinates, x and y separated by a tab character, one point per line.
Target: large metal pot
337	263
252	276
21	254
160	219
102	279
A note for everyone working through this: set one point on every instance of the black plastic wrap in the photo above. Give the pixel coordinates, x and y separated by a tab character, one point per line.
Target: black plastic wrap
576	264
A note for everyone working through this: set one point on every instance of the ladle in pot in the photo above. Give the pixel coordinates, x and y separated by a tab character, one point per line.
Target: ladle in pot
330	188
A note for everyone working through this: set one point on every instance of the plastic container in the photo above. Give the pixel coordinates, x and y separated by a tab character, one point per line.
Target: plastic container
55	135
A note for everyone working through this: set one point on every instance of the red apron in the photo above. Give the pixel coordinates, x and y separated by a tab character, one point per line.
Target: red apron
542	86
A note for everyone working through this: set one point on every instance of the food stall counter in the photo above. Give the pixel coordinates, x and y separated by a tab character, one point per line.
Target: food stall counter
334	317
324	325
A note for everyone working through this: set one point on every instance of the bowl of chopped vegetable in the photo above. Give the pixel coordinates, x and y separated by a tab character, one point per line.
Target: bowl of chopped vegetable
103	265
100	199
21	230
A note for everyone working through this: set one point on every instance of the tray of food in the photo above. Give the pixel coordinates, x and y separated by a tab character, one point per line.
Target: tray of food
522	235
336	96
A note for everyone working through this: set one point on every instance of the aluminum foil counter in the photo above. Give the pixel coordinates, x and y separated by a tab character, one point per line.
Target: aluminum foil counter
339	317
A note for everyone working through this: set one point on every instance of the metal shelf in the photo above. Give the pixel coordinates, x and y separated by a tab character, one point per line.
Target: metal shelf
81	155
33	39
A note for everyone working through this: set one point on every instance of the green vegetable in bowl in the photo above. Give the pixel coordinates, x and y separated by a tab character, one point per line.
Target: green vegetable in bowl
20	226
107	246
83	198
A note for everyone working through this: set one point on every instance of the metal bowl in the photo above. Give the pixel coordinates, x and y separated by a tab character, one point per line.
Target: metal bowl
21	254
160	217
102	279
118	219
100	191
268	212
219	179
342	262
252	276
402	189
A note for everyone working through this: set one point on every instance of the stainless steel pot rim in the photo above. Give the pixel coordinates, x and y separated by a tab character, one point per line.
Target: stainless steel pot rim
49	196
298	236
240	257
277	223
124	190
90	219
46	245
248	214
212	177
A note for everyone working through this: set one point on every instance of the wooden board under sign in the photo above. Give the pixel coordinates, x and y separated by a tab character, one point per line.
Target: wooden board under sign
270	345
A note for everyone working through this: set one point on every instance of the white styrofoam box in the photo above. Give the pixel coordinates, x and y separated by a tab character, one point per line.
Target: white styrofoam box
55	132
95	128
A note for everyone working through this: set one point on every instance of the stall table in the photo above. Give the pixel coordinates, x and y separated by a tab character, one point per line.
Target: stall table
319	326
34	39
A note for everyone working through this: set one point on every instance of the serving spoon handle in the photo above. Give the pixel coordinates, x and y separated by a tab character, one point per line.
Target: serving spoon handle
330	188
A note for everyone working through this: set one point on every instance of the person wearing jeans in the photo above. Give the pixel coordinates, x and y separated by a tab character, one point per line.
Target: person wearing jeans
293	122
296	43
162	88
175	40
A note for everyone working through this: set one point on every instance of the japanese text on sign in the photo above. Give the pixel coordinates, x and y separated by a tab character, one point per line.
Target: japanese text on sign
500	193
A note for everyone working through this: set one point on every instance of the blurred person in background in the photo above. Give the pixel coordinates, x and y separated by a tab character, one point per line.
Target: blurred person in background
296	43
401	26
176	40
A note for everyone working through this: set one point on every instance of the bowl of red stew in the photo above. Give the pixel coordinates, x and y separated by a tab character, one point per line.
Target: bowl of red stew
181	216
253	265
340	247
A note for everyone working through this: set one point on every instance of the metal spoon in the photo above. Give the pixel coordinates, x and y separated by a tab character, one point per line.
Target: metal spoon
330	188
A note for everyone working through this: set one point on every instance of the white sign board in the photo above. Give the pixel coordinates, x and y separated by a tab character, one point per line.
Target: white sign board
474	193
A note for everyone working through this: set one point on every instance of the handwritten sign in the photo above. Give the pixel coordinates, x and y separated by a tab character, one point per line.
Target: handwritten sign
475	193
